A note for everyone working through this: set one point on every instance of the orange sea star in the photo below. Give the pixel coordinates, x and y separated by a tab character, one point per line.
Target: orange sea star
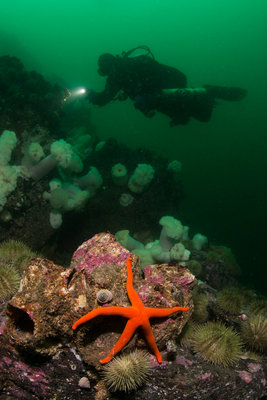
138	316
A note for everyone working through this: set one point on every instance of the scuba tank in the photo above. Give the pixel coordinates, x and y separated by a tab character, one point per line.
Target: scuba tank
143	47
184	91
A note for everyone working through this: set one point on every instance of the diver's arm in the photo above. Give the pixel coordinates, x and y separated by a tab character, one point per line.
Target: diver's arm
104	97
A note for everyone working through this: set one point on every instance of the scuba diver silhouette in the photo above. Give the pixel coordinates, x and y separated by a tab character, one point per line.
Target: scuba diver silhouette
157	87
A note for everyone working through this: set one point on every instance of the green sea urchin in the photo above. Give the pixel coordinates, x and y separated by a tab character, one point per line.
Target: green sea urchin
187	335
15	253
251	355
230	300
222	254
217	343
258	306
254	332
195	267
200	313
9	281
233	298
127	372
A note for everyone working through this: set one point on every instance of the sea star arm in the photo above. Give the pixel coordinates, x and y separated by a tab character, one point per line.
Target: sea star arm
126	335
146	327
138	315
122	311
163	312
132	294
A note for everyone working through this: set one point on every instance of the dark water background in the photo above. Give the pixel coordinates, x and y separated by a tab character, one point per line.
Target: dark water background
222	42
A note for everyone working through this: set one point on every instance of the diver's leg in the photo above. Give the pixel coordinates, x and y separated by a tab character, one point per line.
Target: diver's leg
173	103
145	104
225	93
192	102
202	105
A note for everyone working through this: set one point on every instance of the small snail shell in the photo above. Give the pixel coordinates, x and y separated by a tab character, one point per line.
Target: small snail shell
104	296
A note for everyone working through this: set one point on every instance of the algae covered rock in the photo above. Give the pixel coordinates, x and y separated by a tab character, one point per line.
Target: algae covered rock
51	298
163	286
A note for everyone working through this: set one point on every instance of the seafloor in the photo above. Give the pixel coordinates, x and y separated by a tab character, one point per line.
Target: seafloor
49	209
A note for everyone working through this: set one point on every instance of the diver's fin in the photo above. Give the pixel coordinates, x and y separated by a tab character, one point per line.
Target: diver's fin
226	93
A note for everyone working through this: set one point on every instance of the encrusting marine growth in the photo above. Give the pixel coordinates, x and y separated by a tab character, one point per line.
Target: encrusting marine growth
138	316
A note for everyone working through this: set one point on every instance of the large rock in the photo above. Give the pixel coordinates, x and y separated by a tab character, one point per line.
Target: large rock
50	299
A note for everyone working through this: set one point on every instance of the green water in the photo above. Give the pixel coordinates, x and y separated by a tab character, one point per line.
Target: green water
217	42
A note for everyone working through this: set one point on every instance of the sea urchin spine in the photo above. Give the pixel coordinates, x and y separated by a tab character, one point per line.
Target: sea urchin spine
127	372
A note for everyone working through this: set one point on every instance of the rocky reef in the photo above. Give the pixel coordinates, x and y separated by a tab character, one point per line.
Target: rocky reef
27	96
51	298
42	358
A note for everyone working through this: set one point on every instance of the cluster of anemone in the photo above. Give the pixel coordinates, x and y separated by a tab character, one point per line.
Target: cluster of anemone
169	247
71	193
127	372
8	173
73	190
141	178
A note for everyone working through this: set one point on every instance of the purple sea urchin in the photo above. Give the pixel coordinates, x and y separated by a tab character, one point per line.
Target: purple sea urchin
127	372
217	343
104	296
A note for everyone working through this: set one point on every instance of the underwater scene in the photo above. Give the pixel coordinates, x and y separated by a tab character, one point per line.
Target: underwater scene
133	196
